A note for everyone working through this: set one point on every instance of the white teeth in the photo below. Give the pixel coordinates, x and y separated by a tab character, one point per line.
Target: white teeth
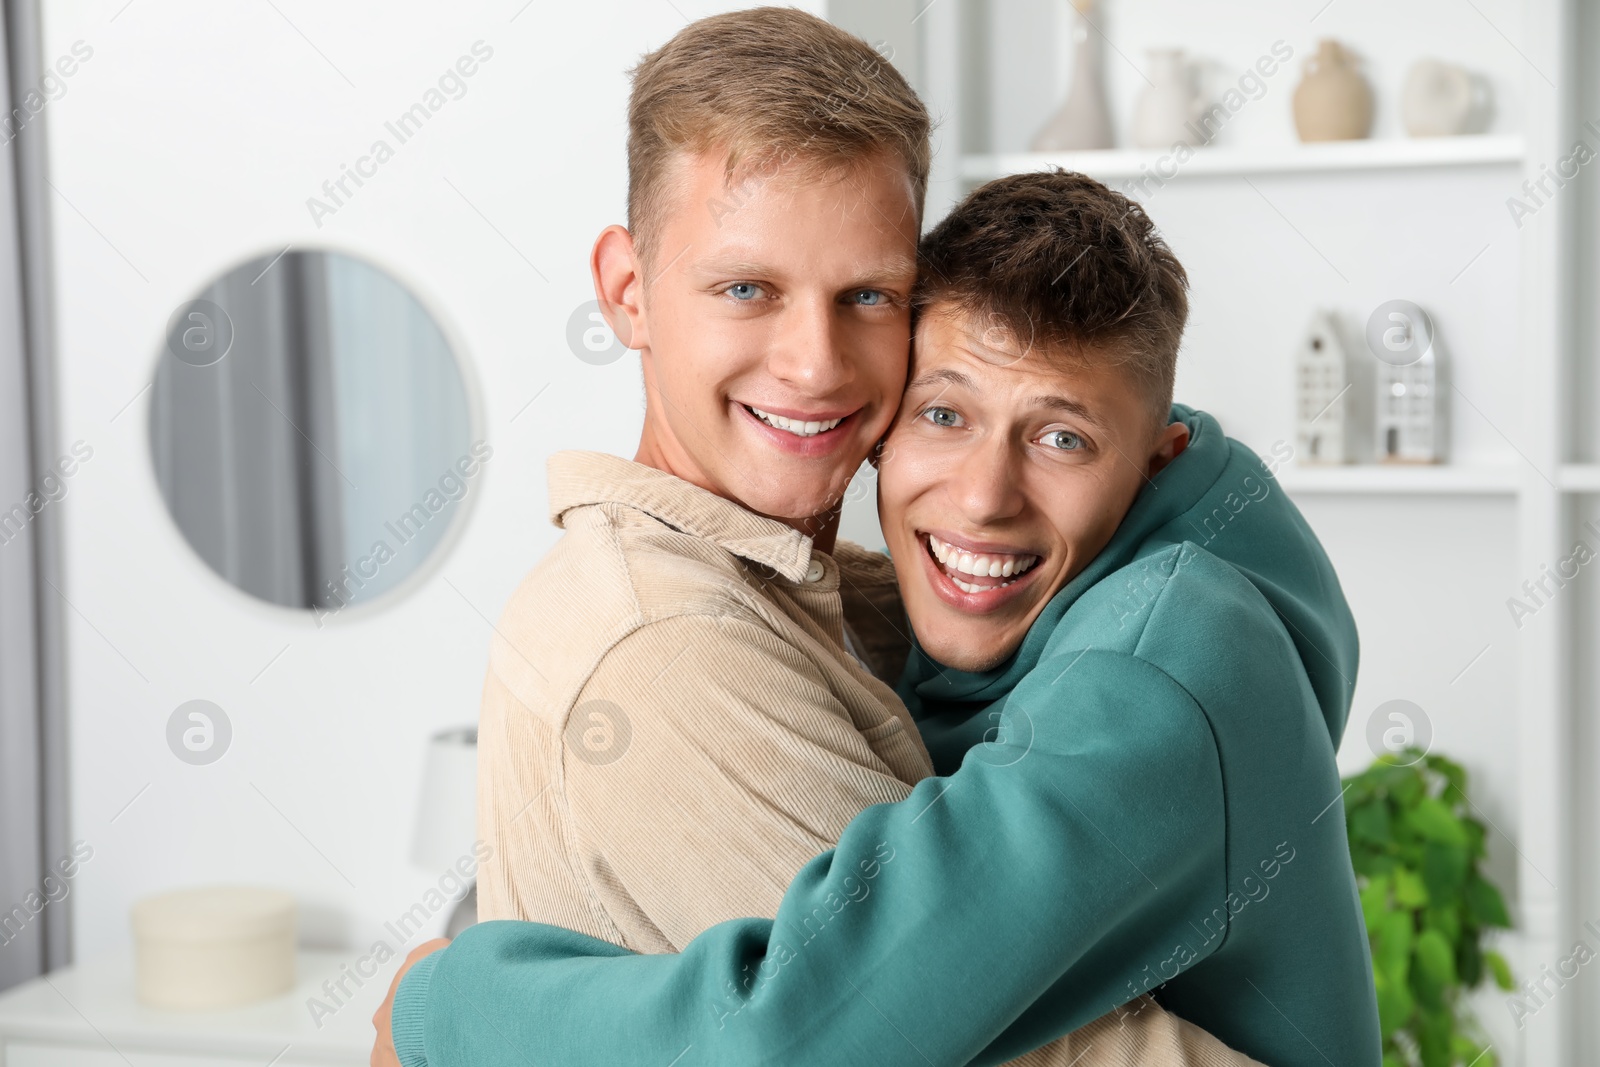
994	565
798	427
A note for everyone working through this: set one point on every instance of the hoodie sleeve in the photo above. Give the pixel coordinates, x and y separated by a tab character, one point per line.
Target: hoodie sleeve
1051	879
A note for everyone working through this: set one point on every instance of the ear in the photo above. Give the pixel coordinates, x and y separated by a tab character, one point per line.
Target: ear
1170	443
619	286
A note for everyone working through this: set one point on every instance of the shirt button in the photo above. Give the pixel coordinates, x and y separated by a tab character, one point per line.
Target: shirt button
814	572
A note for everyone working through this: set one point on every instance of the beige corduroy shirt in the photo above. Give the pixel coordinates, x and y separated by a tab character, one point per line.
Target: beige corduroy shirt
672	726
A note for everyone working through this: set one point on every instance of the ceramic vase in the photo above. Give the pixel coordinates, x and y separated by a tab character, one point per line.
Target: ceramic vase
1083	121
1333	102
1442	100
1169	105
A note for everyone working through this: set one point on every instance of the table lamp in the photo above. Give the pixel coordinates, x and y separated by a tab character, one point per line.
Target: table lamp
447	814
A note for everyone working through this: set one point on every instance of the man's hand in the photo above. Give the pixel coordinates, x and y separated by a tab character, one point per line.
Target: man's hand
383	1054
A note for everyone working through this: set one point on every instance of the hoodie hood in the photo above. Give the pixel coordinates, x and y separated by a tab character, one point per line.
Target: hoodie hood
1223	499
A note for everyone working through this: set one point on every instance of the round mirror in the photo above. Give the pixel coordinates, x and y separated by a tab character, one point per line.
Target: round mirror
310	430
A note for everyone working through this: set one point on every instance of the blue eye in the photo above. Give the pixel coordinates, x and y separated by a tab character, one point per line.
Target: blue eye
743	291
942	417
1065	440
870	297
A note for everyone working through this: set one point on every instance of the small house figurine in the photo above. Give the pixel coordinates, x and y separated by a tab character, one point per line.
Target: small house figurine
1412	414
1332	414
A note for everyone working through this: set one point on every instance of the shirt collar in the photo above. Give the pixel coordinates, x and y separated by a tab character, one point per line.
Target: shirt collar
580	479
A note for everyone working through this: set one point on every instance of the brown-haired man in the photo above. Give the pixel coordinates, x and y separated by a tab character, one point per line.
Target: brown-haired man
679	715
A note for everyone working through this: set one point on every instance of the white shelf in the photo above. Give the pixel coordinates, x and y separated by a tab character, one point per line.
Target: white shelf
1392	154
1443	480
1579	477
46	1021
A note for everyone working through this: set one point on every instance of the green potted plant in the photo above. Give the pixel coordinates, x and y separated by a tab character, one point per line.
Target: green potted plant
1418	851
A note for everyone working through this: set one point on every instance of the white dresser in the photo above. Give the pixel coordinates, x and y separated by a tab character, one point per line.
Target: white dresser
86	1016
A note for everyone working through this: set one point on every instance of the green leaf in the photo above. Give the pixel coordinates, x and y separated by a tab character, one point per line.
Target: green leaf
1433	820
1469	960
1409	892
1408	788
1358	790
1435	957
1447	921
1486	905
1376	864
1433	1038
1391	946
1370	823
1444	870
1452	772
1465	1050
1501	969
1428	992
1475	838
1375	903
1361	855
1388	776
1395	1004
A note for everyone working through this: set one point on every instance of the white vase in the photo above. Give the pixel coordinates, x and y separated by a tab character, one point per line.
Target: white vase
1083	121
1441	100
1169	105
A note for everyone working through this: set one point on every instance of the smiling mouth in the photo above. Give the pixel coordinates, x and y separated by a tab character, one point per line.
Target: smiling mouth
798	427
978	572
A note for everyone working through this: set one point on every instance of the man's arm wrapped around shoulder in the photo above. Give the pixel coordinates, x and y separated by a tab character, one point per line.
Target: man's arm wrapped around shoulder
739	768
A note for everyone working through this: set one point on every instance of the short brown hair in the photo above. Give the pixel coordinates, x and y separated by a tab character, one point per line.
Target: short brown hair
767	85
1064	266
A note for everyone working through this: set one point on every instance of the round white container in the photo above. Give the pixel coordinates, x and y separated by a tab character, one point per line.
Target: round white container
213	948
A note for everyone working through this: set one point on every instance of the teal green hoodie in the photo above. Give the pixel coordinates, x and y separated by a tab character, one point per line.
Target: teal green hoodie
1143	798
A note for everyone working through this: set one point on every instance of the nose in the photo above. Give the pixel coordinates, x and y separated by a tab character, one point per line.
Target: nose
810	353
985	483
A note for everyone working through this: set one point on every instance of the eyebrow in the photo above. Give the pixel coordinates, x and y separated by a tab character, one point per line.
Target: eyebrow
950	377
898	270
1068	405
943	376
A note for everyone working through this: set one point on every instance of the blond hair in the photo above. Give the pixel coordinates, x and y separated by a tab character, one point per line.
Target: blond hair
768	86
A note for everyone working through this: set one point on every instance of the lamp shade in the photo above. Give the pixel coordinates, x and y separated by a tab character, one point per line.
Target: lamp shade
447	811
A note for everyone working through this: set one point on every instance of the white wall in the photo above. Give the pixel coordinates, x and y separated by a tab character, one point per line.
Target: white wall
188	141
